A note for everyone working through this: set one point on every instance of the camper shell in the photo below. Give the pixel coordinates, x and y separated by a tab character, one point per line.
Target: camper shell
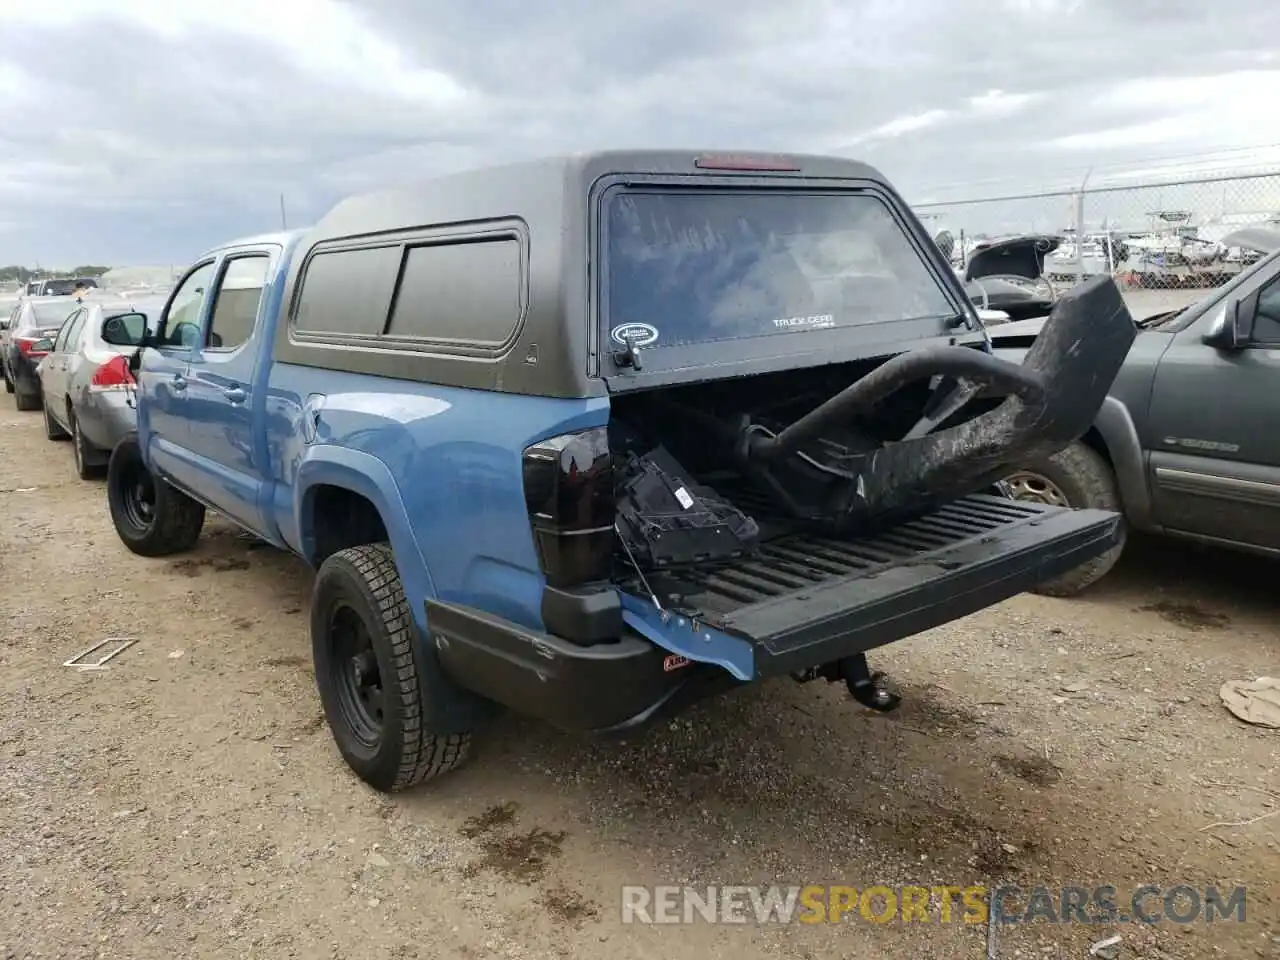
549	212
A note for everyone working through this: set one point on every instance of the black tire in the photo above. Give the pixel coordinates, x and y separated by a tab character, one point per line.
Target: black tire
151	517
26	402
375	711
51	429
8	384
1082	477
84	453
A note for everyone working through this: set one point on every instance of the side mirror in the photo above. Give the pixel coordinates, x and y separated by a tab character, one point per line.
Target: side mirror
118	332
1230	331
115	334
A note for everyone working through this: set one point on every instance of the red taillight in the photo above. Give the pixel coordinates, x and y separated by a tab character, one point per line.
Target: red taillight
568	488
777	164
112	375
27	345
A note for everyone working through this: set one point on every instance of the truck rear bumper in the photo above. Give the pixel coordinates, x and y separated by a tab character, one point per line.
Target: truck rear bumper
603	688
934	578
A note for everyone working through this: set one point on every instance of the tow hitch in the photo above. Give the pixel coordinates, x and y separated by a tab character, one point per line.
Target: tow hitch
864	686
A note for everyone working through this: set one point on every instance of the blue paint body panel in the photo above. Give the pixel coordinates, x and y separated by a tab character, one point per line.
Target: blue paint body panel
442	465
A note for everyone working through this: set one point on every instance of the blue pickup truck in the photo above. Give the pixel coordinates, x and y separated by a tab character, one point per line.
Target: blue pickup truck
592	437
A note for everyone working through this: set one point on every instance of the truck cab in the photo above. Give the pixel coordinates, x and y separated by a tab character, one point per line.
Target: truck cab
204	385
591	437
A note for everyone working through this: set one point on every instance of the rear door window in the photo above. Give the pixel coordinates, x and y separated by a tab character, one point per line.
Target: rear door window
235	305
704	266
75	336
60	341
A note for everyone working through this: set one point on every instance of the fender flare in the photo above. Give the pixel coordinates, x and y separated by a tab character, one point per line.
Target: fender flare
368	476
448	709
1124	449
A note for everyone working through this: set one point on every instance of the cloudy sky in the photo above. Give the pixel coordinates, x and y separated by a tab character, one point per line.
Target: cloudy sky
141	131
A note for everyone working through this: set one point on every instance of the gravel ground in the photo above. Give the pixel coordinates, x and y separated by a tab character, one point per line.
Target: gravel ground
188	801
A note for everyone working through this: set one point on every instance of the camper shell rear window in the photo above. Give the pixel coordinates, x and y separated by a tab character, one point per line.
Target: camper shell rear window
699	265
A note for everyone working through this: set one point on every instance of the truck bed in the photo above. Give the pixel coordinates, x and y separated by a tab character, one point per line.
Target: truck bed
802	599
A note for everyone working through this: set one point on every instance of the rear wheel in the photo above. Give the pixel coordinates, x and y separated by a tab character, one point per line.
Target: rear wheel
51	429
26	401
8	384
367	673
87	467
1077	477
151	517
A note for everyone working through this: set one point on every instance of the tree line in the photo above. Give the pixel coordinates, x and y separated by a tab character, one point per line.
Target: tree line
23	274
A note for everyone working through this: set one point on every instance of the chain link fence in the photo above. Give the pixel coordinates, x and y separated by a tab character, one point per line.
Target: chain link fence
1172	235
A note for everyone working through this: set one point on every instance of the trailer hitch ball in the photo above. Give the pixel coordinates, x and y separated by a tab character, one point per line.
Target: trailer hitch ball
866	687
872	693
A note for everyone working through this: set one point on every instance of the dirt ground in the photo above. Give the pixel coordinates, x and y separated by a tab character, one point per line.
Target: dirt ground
188	801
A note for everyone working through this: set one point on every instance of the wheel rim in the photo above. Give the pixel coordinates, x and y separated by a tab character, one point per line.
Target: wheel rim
356	677
138	497
1026	485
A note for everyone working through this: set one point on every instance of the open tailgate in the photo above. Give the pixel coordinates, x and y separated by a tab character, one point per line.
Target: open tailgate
803	601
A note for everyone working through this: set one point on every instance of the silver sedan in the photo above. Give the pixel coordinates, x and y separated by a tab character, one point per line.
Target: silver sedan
85	380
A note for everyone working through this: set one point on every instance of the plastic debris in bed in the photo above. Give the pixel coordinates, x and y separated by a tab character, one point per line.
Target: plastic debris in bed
668	520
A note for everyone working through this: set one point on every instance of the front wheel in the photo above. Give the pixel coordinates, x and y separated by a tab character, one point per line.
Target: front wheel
152	518
362	638
1078	477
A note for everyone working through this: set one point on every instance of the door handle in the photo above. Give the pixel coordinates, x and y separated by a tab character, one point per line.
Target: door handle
179	382
234	394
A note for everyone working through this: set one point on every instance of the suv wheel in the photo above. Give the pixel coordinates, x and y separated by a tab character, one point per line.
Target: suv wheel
8	384
151	517
367	673
51	429
26	401
1077	477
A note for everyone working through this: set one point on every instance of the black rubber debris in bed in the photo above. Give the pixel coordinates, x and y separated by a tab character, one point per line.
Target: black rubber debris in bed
803	600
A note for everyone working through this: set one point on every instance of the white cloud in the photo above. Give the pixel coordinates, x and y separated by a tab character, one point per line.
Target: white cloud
147	129
1213	111
997	103
320	37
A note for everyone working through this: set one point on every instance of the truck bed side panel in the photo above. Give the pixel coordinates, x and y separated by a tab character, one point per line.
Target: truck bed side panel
445	460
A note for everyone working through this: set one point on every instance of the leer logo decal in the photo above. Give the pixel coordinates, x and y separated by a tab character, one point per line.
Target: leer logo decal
642	333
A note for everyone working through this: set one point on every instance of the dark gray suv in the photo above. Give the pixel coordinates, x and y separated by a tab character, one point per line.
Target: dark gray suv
1187	442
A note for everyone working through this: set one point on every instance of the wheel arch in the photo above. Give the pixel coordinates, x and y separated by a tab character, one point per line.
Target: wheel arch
1114	437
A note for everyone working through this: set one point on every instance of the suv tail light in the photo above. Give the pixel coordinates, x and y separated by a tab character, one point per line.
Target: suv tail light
568	488
112	375
27	345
